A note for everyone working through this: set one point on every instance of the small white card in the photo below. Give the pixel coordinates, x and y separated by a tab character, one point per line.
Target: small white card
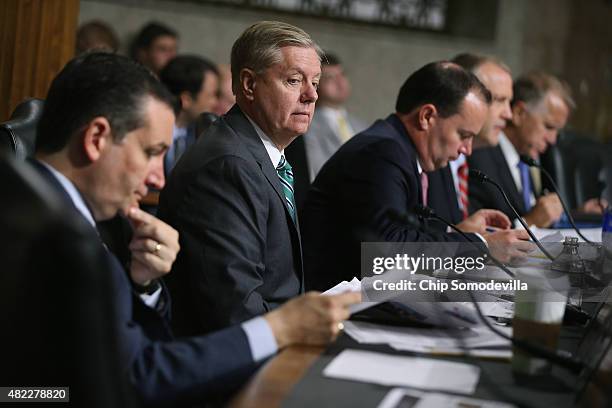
390	370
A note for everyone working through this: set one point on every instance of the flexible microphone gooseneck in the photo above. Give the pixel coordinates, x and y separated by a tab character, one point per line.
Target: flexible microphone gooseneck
532	163
561	358
483	178
428	212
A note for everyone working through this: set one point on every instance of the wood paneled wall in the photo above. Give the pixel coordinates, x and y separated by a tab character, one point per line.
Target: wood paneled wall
37	38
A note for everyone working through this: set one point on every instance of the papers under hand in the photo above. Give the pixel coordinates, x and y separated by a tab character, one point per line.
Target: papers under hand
389	370
353	286
402	397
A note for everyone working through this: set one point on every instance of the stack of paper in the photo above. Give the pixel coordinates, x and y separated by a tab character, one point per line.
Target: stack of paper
478	341
386	369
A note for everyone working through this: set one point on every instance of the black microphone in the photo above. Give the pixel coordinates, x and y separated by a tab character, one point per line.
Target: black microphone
410	219
532	163
561	358
427	212
483	178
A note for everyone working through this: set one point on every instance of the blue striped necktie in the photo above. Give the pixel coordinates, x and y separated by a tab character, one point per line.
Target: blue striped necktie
526	182
285	173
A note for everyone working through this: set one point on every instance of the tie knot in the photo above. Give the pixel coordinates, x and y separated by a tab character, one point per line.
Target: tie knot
283	165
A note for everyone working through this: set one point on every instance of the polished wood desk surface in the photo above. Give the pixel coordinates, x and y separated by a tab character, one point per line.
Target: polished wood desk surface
274	381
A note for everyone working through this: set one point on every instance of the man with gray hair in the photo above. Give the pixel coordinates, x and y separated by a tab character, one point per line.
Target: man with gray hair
231	196
449	187
540	108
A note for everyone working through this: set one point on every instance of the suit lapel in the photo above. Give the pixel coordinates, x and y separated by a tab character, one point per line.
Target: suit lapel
241	125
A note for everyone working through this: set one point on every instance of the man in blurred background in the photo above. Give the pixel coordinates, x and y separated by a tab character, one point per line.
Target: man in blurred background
540	108
194	82
154	46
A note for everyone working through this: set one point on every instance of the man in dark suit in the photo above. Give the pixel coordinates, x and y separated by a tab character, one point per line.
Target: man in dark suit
231	196
449	186
540	108
105	127
383	170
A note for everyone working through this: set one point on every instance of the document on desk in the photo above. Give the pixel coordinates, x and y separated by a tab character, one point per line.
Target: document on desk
406	398
547	234
390	370
478	341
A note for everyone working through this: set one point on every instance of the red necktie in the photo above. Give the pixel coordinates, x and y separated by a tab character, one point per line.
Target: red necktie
462	173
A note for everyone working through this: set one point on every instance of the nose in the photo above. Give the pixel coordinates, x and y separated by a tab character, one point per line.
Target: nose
155	177
309	93
507	111
466	147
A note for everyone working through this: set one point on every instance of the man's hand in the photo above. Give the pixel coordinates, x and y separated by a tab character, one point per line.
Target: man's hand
311	318
594	206
547	210
509	244
481	219
154	247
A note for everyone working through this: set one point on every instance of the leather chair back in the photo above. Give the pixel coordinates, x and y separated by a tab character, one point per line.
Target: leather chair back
18	134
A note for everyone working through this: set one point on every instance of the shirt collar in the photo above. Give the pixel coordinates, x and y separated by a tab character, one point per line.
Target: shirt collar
73	193
509	151
273	151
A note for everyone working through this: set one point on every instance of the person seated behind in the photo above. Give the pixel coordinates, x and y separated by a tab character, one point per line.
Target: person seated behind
383	170
96	35
105	127
154	45
194	82
540	108
448	187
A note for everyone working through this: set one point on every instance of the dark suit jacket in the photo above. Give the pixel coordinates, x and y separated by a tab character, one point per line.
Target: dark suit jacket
240	250
164	370
492	162
442	197
349	203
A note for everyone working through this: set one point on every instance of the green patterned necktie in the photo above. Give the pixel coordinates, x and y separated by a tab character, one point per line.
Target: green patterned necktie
286	177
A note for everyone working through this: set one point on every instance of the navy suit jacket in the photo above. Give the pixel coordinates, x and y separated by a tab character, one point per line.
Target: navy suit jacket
492	162
442	197
240	249
165	371
351	198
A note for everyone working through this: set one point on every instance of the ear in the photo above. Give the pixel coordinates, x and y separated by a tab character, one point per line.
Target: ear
518	112
185	99
248	83
97	137
427	116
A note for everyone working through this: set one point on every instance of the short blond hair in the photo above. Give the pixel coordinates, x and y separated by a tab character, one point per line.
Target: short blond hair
258	47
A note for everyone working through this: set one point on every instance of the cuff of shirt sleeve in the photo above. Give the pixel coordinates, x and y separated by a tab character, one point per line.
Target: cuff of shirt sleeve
151	300
482	238
260	337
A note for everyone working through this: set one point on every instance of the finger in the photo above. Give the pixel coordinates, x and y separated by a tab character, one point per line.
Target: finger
139	216
152	261
499	219
522	235
144	244
348	298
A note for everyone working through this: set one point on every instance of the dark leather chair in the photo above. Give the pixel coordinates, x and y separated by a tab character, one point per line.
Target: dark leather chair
575	163
56	305
18	134
204	121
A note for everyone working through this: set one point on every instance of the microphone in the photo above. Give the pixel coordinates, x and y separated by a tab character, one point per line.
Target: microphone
561	358
427	212
483	178
532	163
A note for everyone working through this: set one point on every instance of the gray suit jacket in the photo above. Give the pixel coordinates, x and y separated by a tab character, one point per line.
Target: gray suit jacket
321	141
240	250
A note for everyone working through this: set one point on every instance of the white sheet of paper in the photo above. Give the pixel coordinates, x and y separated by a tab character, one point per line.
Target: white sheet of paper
435	400
389	370
593	234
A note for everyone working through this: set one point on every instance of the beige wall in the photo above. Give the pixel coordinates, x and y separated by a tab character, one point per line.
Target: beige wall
378	59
